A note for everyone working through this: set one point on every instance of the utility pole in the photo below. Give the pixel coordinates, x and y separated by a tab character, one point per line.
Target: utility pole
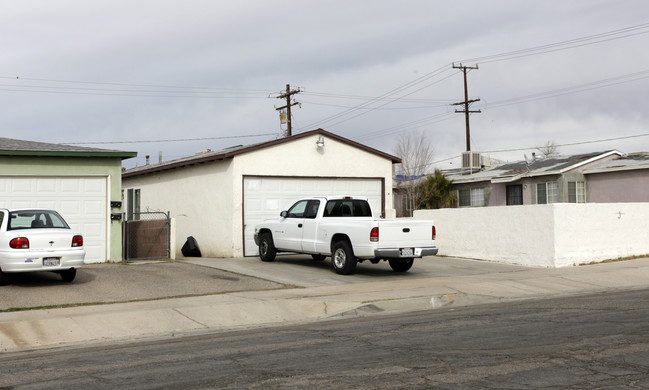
287	95
466	104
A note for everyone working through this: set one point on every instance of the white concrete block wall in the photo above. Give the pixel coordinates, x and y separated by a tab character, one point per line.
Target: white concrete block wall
594	232
555	235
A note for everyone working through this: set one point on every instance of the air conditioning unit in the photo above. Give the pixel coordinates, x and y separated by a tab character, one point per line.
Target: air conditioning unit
471	160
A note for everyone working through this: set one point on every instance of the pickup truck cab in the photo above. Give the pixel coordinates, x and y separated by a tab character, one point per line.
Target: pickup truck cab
344	229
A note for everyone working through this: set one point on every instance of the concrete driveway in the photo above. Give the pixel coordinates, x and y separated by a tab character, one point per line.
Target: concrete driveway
302	270
116	282
153	280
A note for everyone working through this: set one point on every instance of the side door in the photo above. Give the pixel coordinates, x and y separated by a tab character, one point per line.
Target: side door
287	235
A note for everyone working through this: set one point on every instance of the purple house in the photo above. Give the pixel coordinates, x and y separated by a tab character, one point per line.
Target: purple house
603	177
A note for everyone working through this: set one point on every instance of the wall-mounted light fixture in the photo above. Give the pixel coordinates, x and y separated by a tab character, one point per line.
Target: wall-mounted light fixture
320	142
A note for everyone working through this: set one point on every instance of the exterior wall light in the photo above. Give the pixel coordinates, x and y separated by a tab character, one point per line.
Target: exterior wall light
320	142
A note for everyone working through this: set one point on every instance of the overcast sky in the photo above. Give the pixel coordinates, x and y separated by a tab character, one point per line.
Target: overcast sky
205	74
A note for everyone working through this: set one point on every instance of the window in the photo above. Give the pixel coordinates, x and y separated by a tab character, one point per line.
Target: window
34	219
133	204
347	208
546	192
312	209
298	209
576	192
514	195
473	197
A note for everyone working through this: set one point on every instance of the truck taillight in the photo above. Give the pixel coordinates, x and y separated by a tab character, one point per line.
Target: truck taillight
434	232
19	243
374	234
77	241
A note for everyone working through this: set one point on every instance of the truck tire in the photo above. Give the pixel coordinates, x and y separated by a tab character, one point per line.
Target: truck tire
343	260
267	249
401	265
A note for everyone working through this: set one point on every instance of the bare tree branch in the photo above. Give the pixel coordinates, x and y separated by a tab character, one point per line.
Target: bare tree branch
416	154
550	149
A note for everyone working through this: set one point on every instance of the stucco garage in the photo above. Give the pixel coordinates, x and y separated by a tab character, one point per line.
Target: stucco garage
217	197
80	183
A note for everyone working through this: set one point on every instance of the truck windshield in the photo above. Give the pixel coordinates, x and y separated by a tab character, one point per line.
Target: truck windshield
347	208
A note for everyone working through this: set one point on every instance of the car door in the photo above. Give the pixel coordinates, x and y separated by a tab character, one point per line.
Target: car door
309	226
288	234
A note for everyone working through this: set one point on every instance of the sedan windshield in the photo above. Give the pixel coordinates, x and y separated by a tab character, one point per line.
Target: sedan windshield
35	219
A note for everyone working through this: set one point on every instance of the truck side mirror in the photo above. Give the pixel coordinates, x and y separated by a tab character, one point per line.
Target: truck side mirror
283	214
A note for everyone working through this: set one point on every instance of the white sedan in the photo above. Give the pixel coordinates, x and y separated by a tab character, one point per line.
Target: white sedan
38	240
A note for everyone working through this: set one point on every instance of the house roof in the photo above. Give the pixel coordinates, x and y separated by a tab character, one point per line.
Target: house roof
16	147
632	161
510	172
241	149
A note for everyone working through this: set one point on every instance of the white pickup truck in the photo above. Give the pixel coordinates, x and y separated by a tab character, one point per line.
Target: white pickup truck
343	228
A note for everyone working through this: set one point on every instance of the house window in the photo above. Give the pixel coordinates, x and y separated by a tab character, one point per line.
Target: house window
473	197
514	195
576	192
546	192
133	204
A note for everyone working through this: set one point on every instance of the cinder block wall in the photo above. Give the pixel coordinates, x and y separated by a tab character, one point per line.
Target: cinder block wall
554	235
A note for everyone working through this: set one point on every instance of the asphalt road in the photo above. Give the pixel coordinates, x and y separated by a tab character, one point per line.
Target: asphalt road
124	282
585	342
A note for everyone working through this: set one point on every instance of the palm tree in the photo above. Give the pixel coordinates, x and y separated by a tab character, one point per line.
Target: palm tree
436	192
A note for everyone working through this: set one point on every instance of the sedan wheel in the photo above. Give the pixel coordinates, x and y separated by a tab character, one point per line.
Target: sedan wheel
68	275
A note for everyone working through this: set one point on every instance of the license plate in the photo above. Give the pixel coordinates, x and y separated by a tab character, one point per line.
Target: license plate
407	252
51	261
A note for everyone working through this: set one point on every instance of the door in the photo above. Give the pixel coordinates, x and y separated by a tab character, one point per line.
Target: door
289	235
309	224
265	197
514	195
81	200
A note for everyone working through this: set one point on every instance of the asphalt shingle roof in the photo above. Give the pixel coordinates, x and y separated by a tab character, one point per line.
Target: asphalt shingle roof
10	146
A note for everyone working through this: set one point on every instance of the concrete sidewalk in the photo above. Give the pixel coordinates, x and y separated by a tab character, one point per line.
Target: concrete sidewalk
313	293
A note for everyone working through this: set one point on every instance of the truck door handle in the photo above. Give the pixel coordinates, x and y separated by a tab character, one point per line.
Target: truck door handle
406	230
299	225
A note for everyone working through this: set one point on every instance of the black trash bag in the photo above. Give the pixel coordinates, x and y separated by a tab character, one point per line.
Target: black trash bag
190	249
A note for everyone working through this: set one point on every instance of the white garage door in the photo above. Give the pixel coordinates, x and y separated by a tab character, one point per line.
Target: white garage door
80	200
266	197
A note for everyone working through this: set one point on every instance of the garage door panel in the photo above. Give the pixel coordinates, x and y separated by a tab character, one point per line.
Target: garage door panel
46	186
82	201
266	197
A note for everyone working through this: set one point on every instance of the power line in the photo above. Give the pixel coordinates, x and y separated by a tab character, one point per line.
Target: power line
372	101
170	140
573	143
535	147
564	45
135	85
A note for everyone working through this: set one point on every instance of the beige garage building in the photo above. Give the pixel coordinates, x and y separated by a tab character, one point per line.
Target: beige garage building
218	196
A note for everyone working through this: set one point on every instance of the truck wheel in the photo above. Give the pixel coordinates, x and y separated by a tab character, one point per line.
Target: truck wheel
401	265
342	258
3	279
267	249
318	257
